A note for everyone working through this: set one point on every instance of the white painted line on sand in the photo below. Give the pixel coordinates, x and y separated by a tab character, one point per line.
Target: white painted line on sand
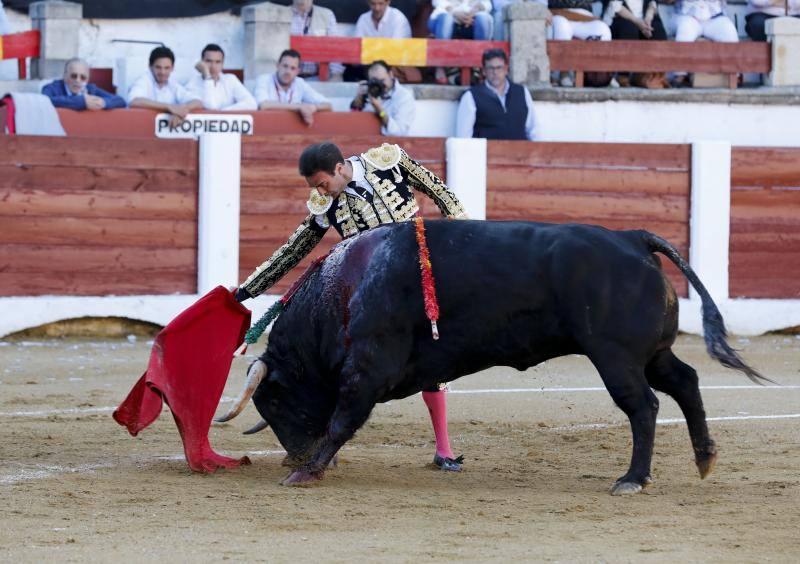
551	390
674	421
602	389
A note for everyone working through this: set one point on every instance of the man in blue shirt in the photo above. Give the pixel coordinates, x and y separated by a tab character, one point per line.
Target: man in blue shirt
76	93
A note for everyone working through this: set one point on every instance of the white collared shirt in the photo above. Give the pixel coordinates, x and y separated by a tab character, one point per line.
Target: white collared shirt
393	24
465	117
400	108
299	92
227	93
171	93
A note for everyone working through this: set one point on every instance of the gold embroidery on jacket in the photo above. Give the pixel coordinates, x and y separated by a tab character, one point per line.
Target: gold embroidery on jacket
429	184
301	242
344	217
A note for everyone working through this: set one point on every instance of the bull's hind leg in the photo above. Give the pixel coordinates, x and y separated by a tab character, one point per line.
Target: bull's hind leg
667	373
625	381
353	407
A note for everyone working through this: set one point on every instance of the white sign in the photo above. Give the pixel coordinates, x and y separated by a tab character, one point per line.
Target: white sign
196	124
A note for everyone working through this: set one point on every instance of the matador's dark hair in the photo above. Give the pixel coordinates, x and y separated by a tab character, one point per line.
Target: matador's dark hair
320	157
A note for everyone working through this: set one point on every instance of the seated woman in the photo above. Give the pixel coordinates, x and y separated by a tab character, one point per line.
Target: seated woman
636	19
573	19
759	11
703	18
633	19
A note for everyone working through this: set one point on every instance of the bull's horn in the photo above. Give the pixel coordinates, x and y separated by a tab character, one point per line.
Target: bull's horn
260	426
255	374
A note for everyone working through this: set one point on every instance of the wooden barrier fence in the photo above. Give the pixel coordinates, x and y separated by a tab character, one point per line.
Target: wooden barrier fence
97	216
765	223
616	185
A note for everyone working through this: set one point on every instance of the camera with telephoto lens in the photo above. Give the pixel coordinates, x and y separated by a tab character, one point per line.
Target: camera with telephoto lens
376	88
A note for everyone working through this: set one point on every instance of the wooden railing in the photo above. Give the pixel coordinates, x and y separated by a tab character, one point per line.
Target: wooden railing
20	46
396	52
659	56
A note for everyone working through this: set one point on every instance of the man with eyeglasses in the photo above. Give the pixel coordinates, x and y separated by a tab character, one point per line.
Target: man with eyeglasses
75	92
498	108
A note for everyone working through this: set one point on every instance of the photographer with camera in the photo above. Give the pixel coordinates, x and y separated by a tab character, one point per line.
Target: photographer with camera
382	94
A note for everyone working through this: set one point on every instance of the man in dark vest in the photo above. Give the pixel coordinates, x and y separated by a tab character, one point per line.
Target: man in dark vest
498	108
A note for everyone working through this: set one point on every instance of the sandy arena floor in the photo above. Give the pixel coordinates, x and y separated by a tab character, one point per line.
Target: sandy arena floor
539	464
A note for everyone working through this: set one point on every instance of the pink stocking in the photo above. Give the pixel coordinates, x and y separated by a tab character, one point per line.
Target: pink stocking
437	407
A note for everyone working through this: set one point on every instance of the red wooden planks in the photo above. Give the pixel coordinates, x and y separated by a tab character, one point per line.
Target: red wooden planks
328	49
460	52
765	223
655	56
21	45
97	216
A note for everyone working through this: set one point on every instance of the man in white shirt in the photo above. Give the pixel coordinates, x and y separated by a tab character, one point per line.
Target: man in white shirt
216	90
157	90
284	90
315	21
392	102
383	21
498	108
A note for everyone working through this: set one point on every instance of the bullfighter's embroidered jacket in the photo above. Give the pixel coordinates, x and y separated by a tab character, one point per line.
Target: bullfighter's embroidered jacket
392	174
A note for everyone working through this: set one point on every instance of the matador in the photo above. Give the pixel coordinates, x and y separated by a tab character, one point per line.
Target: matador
353	195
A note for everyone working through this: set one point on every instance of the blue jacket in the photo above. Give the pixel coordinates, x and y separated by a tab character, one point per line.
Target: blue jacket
61	98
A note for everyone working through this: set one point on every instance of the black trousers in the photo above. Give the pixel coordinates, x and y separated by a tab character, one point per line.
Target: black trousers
755	24
625	29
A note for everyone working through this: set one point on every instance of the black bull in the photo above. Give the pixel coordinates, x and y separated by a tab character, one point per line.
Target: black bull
510	293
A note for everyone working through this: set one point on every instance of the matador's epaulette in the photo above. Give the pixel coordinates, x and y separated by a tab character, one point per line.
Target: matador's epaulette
384	157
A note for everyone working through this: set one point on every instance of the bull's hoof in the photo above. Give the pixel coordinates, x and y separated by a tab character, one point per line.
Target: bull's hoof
302	478
334	461
625	486
706	464
293	462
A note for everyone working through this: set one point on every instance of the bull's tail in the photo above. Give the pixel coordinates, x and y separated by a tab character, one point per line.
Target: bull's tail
714	331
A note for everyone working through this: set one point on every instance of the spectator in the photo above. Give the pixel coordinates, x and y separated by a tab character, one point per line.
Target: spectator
4	27
497	16
636	19
218	91
382	20
460	19
633	19
383	94
701	18
573	19
283	89
75	91
157	90
308	19
498	108
759	11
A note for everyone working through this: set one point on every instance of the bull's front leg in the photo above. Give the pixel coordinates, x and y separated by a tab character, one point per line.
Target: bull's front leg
352	411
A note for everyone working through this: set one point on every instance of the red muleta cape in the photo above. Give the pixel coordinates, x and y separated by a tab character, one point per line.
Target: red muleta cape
189	365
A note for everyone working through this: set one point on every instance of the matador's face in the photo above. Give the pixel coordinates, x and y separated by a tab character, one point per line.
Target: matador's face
329	184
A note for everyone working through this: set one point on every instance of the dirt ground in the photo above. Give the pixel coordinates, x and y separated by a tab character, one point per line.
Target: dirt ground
539	463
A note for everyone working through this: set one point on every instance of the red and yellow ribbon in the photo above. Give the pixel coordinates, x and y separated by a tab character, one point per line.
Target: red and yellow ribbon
428	284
